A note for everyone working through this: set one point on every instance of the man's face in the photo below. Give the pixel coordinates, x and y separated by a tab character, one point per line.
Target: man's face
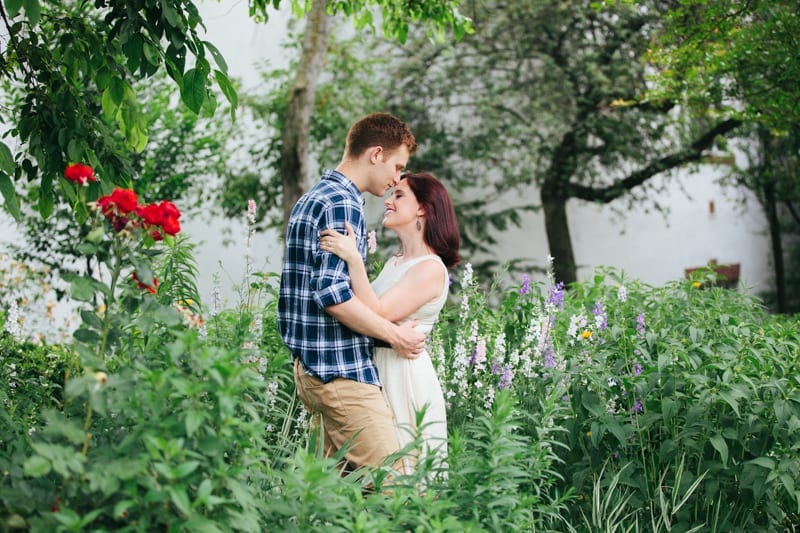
388	167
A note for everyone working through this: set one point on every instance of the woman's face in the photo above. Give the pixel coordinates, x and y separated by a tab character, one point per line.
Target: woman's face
402	207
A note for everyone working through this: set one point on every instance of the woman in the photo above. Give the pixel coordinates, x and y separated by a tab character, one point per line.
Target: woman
412	285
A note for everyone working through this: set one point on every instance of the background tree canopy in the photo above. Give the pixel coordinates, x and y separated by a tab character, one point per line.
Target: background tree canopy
73	66
732	56
548	98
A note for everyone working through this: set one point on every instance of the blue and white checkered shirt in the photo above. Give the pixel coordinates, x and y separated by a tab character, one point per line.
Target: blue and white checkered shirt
312	280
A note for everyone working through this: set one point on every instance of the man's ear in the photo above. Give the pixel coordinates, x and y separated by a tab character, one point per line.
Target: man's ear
376	154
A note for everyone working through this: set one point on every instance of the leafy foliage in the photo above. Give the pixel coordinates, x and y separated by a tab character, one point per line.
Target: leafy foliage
731	56
437	15
185	151
544	104
566	409
76	64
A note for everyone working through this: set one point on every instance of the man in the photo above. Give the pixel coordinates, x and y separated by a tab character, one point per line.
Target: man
327	328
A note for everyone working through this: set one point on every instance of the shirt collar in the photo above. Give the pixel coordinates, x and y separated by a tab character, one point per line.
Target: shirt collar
344	181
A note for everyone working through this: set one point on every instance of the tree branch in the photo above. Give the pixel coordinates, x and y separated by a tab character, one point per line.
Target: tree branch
691	153
793	211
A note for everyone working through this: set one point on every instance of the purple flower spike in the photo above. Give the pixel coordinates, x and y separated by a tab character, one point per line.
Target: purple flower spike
640	324
526	285
638	407
505	379
600	317
557	295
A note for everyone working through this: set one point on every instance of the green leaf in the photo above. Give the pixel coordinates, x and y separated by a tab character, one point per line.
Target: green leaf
16	521
180	499
86	248
591	403
621	432
82	289
96	235
121	508
668	409
36	466
116	90
227	89
169	13
194	420
68	518
151	54
184	469
46	198
87	336
13	7
7	164
33	11
110	108
719	444
204	490
200	524
218	59
10	198
90	318
193	90
730	399
58	425
764	462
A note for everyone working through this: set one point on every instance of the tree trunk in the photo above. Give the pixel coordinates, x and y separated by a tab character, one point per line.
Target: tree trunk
297	124
771	208
777	247
558	237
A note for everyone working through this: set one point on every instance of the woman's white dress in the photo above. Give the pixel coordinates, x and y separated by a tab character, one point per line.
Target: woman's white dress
410	384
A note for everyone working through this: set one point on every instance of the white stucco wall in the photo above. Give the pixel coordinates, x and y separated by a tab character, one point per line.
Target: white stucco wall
656	247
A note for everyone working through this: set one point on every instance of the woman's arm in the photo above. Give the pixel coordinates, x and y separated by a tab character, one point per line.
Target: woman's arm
421	284
345	247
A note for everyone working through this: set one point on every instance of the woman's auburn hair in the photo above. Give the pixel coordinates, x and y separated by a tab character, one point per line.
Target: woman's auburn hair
441	225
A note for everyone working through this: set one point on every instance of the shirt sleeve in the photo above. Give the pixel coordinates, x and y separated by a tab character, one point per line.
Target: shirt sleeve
330	280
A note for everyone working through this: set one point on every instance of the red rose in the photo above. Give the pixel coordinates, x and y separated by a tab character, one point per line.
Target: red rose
79	173
171	214
125	200
163	215
171	226
151	214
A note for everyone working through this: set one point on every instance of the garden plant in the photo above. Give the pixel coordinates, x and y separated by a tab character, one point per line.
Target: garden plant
608	405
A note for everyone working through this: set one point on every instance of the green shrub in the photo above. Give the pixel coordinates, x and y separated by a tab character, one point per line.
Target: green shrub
608	406
684	383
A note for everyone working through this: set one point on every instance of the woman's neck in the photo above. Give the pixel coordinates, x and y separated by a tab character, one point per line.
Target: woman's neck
412	246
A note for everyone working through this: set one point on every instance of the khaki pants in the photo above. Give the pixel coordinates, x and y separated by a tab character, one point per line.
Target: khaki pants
350	410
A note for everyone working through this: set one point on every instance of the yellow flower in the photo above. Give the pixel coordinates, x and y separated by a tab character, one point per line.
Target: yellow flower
101	377
586	334
696	284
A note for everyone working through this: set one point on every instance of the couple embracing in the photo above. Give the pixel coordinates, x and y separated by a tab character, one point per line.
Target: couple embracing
360	363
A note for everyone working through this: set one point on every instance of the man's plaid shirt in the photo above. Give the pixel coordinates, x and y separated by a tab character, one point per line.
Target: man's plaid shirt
312	280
